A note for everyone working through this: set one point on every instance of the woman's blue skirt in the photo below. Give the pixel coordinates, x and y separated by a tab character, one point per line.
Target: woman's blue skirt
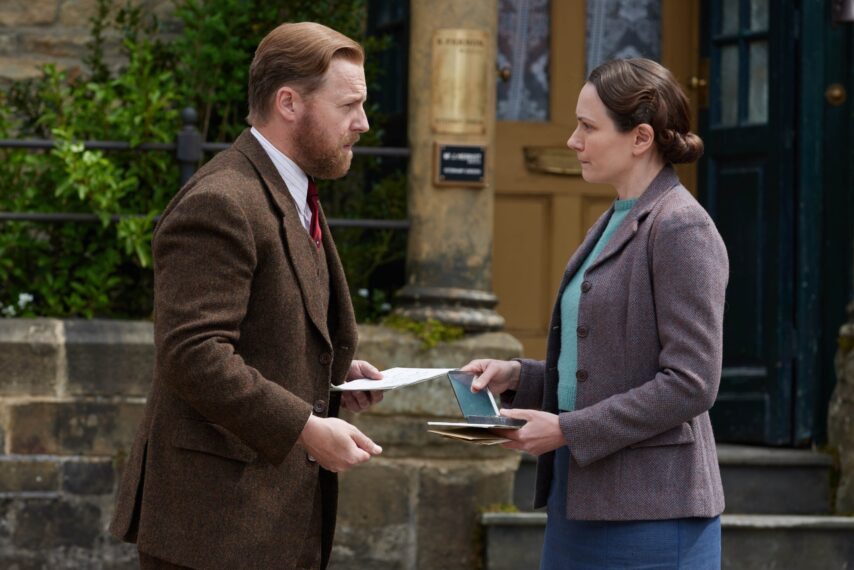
688	543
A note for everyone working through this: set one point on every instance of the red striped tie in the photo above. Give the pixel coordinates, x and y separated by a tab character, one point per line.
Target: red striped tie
314	206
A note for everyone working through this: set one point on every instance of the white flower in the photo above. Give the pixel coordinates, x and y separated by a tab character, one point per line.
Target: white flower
363	293
8	311
24	299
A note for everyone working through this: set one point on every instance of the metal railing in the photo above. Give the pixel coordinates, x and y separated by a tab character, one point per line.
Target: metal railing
189	149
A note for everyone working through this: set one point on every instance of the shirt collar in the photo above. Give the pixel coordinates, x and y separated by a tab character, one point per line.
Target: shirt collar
295	179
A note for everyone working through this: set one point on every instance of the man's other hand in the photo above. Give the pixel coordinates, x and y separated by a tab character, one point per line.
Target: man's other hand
360	401
335	444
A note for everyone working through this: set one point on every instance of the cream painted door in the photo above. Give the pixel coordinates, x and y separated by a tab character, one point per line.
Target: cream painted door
541	217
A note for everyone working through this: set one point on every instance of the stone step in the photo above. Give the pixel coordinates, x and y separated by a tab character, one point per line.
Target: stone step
513	541
756	480
762	480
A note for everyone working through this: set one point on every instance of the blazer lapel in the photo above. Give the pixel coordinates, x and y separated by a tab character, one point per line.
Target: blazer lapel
298	245
661	184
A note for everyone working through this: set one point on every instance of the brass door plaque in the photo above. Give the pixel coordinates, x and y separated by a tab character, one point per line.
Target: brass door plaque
459	81
552	160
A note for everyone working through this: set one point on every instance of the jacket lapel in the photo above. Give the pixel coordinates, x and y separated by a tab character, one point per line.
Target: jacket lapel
298	245
660	185
342	319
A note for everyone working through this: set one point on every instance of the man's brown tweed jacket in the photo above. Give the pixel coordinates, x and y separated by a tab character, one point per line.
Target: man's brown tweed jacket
247	348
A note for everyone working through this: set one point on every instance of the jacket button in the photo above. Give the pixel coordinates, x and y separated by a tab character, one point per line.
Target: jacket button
311	458
586	286
319	407
582	331
581	375
556	328
325	358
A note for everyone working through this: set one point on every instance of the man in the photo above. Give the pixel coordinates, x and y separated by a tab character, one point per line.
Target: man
234	465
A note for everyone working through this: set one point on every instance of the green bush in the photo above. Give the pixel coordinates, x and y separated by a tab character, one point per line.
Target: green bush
104	269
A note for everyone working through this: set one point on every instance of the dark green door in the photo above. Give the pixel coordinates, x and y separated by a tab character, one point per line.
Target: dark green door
747	184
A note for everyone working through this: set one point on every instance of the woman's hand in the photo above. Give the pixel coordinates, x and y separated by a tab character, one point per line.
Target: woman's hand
540	435
499	375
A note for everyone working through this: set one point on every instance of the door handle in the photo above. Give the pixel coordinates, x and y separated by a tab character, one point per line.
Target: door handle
699	83
835	94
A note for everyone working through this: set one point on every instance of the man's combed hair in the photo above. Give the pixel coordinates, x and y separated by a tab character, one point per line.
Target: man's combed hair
296	55
639	91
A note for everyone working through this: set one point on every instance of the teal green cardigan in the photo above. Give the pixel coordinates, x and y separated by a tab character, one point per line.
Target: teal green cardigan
567	362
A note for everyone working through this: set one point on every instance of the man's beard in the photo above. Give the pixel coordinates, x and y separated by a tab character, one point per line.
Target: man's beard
320	158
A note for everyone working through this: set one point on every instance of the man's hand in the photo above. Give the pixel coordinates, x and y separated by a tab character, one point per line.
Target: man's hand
360	401
335	444
499	375
540	435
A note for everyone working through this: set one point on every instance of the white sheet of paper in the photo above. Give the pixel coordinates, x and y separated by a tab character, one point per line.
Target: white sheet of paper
394	378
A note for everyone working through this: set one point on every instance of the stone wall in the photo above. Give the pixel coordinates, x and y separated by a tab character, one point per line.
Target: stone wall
417	505
73	392
36	32
71	396
841	416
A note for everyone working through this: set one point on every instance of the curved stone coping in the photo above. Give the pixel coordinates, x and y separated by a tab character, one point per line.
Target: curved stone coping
795	522
730	454
758	522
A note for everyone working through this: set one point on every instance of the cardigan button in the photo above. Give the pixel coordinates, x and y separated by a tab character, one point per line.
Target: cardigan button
582	331
319	407
325	358
586	286
581	375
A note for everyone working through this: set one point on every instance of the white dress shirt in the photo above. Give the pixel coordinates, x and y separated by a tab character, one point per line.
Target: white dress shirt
295	179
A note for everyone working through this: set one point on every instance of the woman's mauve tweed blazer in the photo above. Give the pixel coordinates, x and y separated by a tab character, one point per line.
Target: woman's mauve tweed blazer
650	328
249	335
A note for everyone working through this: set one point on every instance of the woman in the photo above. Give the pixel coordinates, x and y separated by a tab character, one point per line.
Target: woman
618	411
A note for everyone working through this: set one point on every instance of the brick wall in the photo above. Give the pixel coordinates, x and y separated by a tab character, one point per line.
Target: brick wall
36	32
71	396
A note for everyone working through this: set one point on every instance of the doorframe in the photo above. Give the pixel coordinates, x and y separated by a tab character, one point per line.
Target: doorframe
812	44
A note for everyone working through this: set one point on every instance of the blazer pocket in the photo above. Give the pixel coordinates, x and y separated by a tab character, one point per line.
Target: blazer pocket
207	437
679	435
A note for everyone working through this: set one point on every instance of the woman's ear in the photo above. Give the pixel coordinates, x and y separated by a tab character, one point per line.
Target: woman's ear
644	139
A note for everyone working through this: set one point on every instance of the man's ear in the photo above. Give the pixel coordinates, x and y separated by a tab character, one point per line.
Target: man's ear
288	104
644	139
